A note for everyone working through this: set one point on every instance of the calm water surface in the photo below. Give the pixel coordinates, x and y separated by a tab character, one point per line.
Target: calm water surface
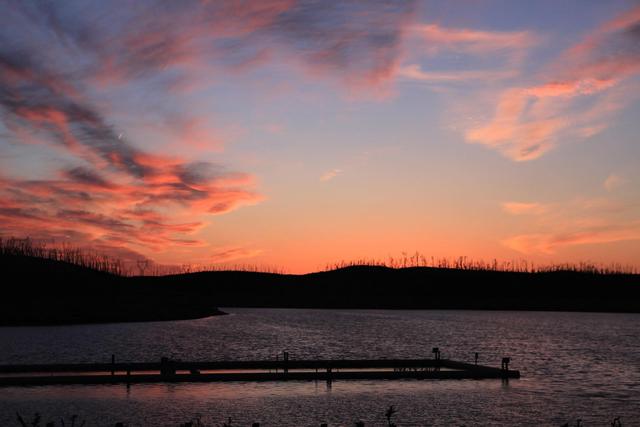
573	365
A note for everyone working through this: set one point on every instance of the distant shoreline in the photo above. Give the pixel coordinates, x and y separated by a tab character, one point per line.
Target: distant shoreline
108	321
49	292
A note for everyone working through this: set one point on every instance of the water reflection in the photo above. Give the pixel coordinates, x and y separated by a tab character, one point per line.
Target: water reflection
573	365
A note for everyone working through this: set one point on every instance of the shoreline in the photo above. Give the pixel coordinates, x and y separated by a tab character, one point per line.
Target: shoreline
214	313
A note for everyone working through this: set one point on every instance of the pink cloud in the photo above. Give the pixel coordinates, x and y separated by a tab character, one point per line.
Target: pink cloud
549	243
414	72
144	212
520	208
472	41
79	78
357	43
506	49
197	134
580	221
329	175
530	121
226	254
570	88
517	138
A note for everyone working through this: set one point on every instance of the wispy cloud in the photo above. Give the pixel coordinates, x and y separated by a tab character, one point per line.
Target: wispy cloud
576	96
226	254
580	221
62	63
329	175
121	210
351	40
551	242
613	181
415	72
506	49
520	208
473	41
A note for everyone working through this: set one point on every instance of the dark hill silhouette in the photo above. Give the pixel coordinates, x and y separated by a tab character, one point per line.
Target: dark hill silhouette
417	288
48	291
44	291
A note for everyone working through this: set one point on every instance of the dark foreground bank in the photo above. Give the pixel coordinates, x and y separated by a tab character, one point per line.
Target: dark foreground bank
41	291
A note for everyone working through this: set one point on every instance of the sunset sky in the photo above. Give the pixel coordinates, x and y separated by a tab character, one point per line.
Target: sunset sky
298	133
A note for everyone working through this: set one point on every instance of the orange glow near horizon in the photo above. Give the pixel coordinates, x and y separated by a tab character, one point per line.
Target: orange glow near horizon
263	135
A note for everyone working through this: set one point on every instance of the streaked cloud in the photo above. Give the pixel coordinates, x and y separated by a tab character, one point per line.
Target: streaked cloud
520	208
473	41
580	221
505	48
613	182
61	65
550	243
226	254
577	97
329	175
120	210
415	72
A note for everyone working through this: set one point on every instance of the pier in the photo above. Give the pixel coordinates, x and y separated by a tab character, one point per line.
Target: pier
286	369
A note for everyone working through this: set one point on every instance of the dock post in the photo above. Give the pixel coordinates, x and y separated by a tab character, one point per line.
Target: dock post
113	362
505	363
436	352
166	366
285	358
476	357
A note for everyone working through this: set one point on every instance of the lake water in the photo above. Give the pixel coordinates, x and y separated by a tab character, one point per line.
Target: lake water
573	365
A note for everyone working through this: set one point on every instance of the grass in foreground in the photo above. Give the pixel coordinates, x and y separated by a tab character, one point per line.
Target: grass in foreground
197	422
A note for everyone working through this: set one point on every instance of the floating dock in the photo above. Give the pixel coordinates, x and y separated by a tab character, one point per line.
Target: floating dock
173	371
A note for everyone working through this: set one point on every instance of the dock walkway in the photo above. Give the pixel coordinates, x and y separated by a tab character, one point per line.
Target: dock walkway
260	370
